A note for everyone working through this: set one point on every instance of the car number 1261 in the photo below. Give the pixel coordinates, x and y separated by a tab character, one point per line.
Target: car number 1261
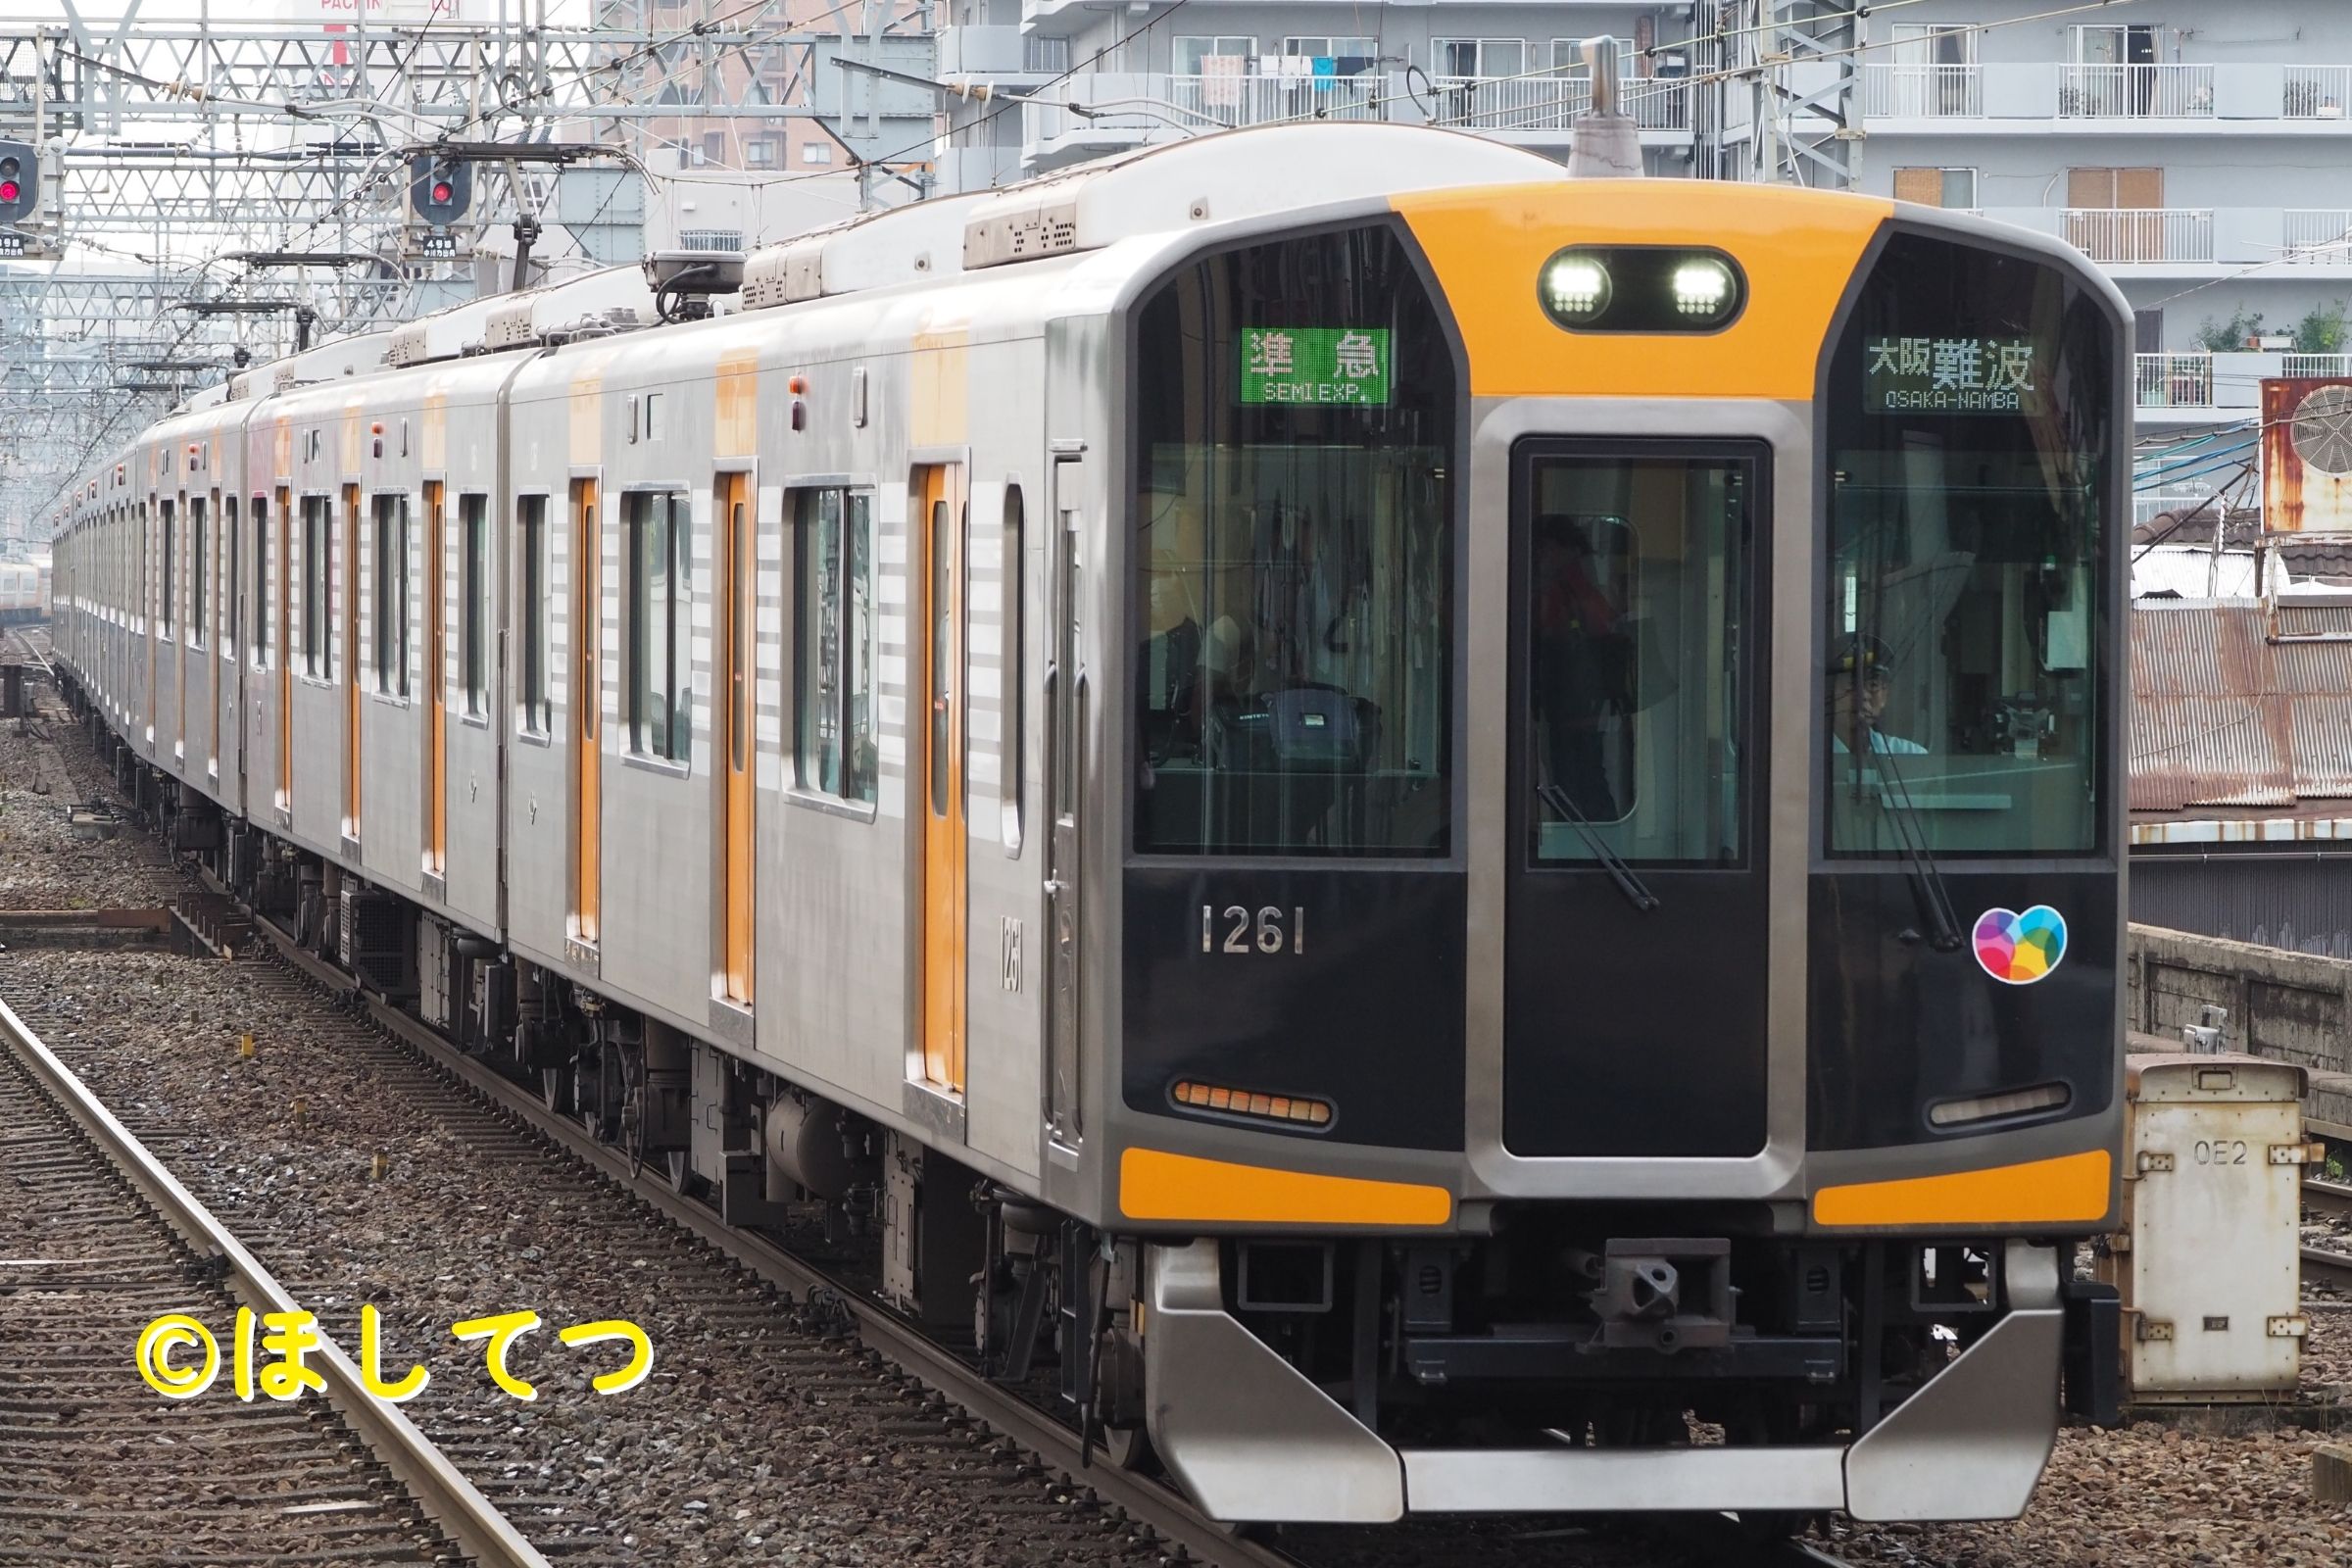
1268	930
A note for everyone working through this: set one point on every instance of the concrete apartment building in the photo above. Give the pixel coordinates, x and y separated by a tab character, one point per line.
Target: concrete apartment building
2201	149
1496	67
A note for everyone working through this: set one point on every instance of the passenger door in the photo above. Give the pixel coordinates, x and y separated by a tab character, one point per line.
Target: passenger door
586	618
1634	896
738	574
1066	782
941	527
436	740
351	660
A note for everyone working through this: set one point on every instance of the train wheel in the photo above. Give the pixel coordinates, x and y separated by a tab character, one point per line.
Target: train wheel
555	1090
1126	1448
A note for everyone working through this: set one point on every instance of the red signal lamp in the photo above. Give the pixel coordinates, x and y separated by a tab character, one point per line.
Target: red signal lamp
442	190
9	190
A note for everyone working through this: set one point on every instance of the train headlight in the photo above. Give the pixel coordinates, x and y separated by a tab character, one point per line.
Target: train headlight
1702	286
1576	288
1642	288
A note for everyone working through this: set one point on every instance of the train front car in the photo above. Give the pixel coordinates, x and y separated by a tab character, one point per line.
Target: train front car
1617	912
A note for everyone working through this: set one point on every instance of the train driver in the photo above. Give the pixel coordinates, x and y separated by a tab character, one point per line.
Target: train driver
1861	670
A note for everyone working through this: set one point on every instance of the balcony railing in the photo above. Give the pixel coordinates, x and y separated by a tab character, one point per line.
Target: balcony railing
1553	103
2318	92
1206	101
2149	92
1124	110
2202	380
1928	92
2127	234
2318	236
2027	89
2174	380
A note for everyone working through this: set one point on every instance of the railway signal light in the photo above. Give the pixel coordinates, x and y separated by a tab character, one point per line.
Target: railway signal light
440	189
20	182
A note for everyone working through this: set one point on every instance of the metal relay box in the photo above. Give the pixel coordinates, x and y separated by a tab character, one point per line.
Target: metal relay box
2209	1264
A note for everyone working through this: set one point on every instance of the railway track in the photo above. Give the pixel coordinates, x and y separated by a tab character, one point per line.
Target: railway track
99	1468
2333	1200
500	1123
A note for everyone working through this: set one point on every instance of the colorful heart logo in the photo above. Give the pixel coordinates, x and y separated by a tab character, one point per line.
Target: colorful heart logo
2019	948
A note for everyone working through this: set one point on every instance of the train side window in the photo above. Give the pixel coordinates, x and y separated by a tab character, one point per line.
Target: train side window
318	576
833	663
171	572
474	526
390	611
1013	741
232	584
537	712
261	582
654	624
200	586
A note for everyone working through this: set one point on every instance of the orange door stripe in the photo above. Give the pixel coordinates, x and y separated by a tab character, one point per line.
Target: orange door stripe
1156	1185
2068	1190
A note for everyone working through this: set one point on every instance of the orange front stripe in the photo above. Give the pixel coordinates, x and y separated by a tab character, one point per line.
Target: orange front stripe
1156	1185
2072	1189
1487	247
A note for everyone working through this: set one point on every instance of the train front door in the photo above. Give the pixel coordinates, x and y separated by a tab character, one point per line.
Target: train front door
585	618
941	528
738	597
1634	860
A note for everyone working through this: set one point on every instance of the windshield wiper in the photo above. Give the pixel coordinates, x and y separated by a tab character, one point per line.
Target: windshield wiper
1622	874
1926	878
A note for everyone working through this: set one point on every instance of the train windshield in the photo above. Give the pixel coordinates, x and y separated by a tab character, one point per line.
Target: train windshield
1294	541
1966	677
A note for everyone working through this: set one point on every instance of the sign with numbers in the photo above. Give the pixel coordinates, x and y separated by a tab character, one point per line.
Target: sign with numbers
1315	364
1952	375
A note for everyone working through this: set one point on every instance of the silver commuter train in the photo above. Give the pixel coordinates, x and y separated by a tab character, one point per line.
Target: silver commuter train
1036	756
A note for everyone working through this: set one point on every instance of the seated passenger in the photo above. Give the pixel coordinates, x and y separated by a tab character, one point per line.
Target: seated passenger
1861	670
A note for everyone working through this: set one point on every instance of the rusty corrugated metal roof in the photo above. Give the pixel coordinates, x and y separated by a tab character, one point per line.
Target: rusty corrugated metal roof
2229	711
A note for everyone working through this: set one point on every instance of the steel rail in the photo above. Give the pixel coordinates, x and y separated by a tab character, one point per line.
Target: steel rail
446	1496
2334	1268
1141	1497
2332	1199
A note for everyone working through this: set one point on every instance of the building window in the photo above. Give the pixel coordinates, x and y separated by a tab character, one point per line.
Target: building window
390	611
656	536
833	664
1568	53
1477	57
1191	50
473	528
261	582
199	575
817	152
1937	187
1348	57
715	147
318	581
537	709
760	153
